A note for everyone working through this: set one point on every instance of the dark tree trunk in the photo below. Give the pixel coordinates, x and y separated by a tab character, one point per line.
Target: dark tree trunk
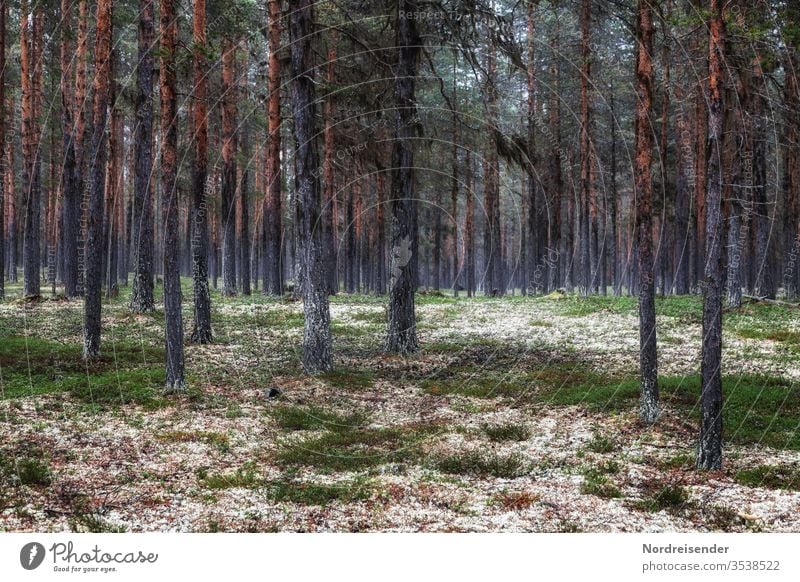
201	333
169	199
790	185
142	300
273	263
317	353
97	176
709	454
613	250
648	363
402	325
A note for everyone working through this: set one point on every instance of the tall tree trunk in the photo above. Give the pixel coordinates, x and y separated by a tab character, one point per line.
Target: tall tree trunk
790	185
531	252
492	239
169	198
380	235
648	363
701	152
469	225
229	145
402	325
99	155
10	194
329	217
31	260
3	193
709	455
273	265
614	246
584	231
201	332
317	353
142	300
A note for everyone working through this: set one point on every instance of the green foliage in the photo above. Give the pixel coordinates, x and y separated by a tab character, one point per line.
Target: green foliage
352	450
244	477
483	464
305	493
771	477
314	418
602	444
756	409
127	373
671	498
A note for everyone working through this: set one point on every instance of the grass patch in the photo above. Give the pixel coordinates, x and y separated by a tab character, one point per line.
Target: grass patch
349	378
126	373
480	464
672	498
596	481
479	385
770	476
24	466
351	450
305	493
244	477
757	409
314	418
602	444
506	432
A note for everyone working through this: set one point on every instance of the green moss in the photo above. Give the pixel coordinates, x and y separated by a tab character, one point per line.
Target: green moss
771	476
757	409
349	378
314	418
671	498
484	464
305	493
244	477
350	450
602	444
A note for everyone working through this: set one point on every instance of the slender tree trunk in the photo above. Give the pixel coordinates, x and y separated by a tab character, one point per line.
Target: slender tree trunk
99	155
31	261
142	300
229	145
273	266
614	246
709	455
329	199
533	209
201	333
380	235
10	194
317	352
3	193
643	186
469	225
169	198
790	185
402	326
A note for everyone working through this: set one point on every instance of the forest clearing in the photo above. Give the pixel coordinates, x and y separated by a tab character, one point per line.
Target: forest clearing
516	414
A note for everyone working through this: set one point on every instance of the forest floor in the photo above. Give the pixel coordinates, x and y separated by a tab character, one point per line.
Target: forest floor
518	414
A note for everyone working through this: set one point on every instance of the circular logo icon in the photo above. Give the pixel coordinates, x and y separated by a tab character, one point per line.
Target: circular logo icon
31	555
